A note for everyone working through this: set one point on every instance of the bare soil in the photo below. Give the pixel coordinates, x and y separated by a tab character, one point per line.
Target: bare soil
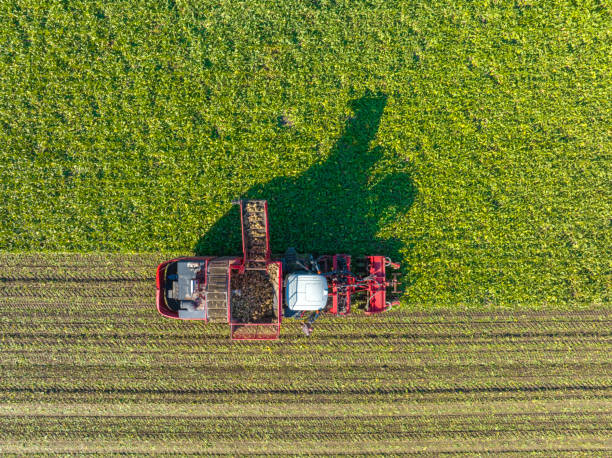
254	332
252	297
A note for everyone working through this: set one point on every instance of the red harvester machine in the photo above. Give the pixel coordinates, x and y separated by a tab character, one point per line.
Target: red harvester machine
255	291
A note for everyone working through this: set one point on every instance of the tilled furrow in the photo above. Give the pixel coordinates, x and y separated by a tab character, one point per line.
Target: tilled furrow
84	260
69	290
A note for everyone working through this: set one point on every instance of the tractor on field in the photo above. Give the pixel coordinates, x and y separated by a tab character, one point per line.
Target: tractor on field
255	291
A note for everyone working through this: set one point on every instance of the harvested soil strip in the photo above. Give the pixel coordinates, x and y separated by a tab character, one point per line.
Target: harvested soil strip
587	445
73	290
93	273
67	260
113	374
237	410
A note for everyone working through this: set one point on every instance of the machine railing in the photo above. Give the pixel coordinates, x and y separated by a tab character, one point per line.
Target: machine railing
377	286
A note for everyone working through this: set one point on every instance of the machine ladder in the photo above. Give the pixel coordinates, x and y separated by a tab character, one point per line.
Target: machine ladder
216	290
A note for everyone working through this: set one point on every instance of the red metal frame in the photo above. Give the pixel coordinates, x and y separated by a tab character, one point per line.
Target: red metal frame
334	308
375	283
244	251
160	299
377	287
268	253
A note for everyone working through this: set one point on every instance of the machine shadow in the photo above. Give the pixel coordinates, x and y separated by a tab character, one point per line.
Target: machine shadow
334	206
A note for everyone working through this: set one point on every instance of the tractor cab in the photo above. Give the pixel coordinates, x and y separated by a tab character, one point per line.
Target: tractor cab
305	291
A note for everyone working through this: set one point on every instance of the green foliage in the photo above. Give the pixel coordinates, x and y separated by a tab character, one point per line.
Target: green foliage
129	126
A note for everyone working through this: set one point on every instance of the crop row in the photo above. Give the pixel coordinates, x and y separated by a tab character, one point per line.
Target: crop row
135	309
295	382
102	335
82	261
84	359
558	394
316	427
60	275
151	323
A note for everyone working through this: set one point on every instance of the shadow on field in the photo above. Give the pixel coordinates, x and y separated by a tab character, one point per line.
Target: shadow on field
332	207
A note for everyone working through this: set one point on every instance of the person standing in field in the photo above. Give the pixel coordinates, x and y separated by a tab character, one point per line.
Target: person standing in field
307	326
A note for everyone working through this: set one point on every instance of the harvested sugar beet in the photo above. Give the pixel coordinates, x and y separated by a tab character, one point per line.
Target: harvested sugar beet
252	297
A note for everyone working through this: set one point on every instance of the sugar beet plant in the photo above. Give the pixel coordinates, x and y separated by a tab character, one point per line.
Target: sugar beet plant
482	164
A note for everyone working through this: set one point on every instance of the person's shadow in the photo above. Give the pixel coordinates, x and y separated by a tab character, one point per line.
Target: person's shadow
333	207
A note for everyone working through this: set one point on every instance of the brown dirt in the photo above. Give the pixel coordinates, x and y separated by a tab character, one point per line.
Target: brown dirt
252	298
254	332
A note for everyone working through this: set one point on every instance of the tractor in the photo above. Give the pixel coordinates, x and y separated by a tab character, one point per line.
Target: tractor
255	291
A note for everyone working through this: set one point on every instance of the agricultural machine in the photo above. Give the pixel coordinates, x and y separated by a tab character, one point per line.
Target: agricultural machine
255	291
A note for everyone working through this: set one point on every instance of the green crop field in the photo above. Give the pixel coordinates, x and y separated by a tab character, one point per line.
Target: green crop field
468	140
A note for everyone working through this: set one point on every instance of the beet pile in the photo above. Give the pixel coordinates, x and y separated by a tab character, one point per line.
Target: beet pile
252	297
